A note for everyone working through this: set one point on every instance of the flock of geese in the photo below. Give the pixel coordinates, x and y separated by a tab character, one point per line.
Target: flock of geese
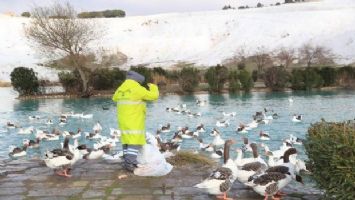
266	177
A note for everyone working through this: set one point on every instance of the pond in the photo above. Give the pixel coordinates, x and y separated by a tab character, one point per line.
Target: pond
330	105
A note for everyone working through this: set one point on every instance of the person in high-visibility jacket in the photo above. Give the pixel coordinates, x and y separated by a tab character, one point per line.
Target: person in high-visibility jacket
131	112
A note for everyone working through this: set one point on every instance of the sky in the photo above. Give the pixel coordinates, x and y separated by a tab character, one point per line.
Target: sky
132	7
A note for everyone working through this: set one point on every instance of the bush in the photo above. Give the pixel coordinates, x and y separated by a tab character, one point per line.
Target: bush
26	14
246	80
328	75
216	77
104	79
24	80
276	78
70	81
331	151
188	79
118	77
312	79
259	5
160	71
346	76
100	14
234	85
146	72
254	75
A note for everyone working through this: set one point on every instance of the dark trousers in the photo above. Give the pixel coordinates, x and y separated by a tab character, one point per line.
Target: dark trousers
130	153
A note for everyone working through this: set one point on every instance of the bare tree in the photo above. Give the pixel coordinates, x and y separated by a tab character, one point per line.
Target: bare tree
57	30
310	55
262	59
286	57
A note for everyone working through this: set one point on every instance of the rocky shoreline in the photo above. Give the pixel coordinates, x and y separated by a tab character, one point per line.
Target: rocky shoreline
22	179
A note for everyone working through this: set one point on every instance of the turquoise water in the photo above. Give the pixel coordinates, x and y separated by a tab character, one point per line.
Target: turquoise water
332	106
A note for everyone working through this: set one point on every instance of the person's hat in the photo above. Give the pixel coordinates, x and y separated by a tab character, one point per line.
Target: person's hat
135	76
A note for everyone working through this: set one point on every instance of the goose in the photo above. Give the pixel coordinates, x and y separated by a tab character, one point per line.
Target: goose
92	154
76	115
221	179
167	146
267	117
177	138
26	131
31	143
200	128
290	100
299	165
277	153
231	114
166	128
297	118
105	141
275	116
205	147
72	134
61	159
168	109
240	161
264	135
187	134
223	123
16	152
217	140
115	132
246	145
201	102
252	125
295	140
92	136
198	114
62	121
275	178
97	127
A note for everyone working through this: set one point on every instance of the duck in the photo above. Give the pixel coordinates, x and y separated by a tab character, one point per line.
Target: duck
217	140
49	122
97	127
223	123
205	147
62	121
113	158
264	135
105	141
92	154
295	140
201	102
32	143
166	128
297	118
246	145
92	136
240	161
177	138
200	128
26	131
241	129
167	146
252	125
62	159
15	152
277	153
218	153
231	114
72	134
290	100
221	179
187	134
275	116
11	125
34	117
115	132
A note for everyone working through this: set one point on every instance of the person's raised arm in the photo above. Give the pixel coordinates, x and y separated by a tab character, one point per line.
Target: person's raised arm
152	94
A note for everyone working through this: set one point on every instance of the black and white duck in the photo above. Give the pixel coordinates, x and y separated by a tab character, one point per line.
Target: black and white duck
16	152
221	180
264	135
205	147
166	128
92	154
32	143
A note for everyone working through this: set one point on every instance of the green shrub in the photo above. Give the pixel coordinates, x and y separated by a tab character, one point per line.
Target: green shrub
276	78
331	151
346	76
234	85
70	81
118	77
297	79
24	80
246	80
216	77
312	79
26	14
328	75
99	14
160	71
188	79
254	75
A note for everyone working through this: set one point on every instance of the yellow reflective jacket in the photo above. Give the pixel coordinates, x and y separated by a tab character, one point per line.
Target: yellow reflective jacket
131	110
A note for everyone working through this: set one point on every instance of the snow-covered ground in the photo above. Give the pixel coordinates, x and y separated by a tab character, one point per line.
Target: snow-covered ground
205	38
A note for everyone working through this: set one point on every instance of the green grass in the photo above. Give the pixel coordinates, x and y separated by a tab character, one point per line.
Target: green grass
184	158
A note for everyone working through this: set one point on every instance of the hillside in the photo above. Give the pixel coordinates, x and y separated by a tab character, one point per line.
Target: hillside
204	38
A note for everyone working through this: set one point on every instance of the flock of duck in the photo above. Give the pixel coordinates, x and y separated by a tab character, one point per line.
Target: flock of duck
266	177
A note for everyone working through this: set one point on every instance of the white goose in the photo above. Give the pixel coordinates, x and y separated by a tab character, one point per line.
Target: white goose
26	131
223	123
297	118
264	135
205	147
221	180
231	114
217	140
16	152
91	154
97	127
240	161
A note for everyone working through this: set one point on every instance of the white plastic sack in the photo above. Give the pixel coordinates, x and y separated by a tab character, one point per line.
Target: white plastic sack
151	161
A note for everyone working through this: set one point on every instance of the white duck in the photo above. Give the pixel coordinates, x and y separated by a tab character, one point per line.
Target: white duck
217	140
113	158
16	152
223	123
49	122
264	135
205	147
295	140
218	153
91	154
240	161
221	180
115	132
97	127
87	116
231	114
26	131
241	129
297	118
200	128
34	117
166	128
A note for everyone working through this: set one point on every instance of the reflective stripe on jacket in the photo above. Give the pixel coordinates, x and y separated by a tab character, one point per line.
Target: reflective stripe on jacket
131	110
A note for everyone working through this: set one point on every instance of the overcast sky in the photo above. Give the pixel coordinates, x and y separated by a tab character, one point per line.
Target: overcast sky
132	7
